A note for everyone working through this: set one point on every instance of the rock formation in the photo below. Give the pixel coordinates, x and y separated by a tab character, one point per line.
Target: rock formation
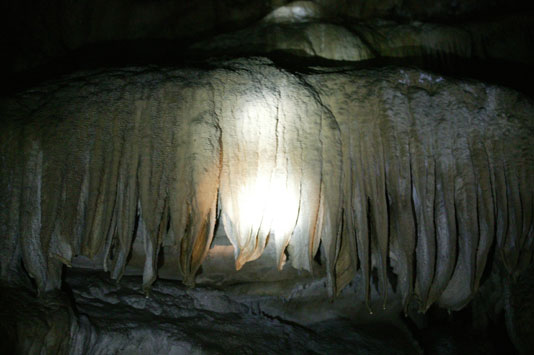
384	169
224	201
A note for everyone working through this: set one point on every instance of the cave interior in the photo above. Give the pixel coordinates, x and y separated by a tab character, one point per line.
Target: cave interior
267	176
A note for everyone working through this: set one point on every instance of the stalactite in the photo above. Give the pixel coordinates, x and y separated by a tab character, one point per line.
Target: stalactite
422	166
445	212
152	177
329	217
385	169
484	203
33	253
396	128
370	135
203	156
249	166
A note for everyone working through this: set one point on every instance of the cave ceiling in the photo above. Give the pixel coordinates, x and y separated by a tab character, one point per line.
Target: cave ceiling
478	39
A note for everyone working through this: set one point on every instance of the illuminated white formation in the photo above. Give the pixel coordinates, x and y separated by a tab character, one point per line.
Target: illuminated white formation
383	170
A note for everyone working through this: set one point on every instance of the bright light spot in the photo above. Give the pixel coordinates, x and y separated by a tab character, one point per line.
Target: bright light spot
268	203
260	187
297	11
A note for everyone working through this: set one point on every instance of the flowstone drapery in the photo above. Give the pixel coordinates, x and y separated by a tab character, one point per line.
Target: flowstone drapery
381	169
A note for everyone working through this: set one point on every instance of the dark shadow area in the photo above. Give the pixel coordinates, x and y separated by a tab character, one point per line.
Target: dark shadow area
108	55
454	333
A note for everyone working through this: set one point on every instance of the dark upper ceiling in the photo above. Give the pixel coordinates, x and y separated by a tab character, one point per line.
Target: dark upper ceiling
43	39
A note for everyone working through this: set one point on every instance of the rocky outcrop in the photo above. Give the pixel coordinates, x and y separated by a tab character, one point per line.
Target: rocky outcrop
505	39
63	36
320	40
388	170
120	319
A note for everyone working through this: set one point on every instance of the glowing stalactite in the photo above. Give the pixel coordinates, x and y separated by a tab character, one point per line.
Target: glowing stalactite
260	189
269	204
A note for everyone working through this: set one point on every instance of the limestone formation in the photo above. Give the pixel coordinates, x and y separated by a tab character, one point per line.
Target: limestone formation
385	169
266	176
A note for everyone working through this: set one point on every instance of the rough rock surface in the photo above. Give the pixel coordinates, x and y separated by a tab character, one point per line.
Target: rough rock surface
315	39
177	320
99	316
388	170
504	39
